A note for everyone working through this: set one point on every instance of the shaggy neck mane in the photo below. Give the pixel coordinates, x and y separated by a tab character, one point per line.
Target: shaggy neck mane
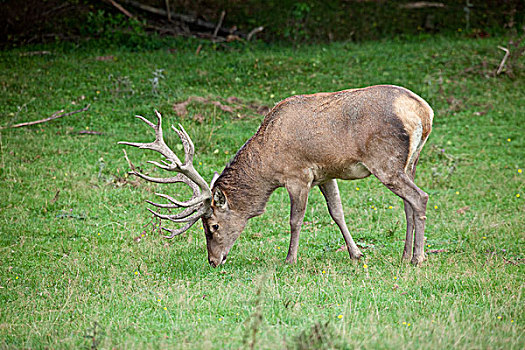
243	183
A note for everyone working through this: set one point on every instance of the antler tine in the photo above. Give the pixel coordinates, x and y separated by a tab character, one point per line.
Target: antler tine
199	203
186	212
192	202
158	145
189	148
161	180
180	230
176	218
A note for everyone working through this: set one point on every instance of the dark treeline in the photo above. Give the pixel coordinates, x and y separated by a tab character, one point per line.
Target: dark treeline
34	21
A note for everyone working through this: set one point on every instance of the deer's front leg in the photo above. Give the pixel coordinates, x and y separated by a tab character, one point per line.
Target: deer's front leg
330	192
298	198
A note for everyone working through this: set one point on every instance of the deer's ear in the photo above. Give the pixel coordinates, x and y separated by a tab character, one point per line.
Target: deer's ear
215	177
219	199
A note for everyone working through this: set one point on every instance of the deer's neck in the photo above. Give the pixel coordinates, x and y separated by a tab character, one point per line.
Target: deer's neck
245	181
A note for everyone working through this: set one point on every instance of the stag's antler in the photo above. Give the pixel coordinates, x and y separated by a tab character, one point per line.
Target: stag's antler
199	204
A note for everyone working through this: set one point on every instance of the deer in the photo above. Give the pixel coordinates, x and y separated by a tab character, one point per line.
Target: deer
303	142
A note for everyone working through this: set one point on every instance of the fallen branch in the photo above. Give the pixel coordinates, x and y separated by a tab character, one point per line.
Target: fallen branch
502	64
55	115
219	24
422	5
121	9
188	20
253	32
167	2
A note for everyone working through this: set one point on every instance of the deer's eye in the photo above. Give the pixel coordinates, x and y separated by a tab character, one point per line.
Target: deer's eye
215	227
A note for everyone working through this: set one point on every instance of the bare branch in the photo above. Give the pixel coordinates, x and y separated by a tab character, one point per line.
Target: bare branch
219	24
120	8
502	64
55	115
422	4
253	32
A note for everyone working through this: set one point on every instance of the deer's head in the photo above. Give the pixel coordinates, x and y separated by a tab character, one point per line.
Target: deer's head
221	224
222	228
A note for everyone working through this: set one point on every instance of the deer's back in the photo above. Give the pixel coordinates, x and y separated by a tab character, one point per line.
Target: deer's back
337	133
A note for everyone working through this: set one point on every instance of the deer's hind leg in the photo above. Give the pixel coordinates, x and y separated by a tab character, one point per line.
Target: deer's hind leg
409	213
415	199
333	200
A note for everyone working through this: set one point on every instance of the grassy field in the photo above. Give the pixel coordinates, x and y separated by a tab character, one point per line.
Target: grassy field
72	275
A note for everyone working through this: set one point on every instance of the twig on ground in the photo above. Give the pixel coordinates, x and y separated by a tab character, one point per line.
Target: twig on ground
35	53
167	2
55	115
89	132
502	64
253	32
198	51
201	27
422	5
219	24
120	8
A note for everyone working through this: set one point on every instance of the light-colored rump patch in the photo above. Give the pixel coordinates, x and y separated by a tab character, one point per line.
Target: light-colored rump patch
411	111
415	145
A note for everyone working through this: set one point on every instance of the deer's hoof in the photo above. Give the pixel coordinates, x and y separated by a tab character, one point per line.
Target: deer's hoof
356	255
418	260
290	260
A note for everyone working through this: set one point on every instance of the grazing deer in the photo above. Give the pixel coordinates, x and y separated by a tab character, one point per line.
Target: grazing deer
306	141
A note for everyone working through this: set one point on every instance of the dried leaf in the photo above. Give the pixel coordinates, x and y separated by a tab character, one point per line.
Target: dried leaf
436	251
55	198
89	132
105	58
198	117
222	107
233	100
343	248
180	108
463	210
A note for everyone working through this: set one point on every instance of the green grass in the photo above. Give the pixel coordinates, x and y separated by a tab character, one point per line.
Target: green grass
71	274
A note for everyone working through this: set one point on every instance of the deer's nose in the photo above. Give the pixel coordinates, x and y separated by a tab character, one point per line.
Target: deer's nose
212	263
215	262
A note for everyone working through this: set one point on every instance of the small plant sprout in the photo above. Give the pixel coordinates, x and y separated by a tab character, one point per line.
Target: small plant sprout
155	81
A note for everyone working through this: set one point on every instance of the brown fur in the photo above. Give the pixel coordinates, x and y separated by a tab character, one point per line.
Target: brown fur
309	140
